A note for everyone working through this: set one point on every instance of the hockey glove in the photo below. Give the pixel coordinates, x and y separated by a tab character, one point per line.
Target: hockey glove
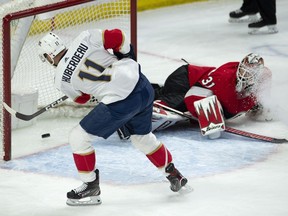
123	133
260	113
130	54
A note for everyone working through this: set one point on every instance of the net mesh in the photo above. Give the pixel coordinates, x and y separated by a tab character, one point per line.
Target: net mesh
27	69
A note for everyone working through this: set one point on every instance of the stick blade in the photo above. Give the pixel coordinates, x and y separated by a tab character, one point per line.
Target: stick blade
17	114
9	109
279	141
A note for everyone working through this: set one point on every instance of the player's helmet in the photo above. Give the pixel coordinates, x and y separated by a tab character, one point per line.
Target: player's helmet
50	45
248	73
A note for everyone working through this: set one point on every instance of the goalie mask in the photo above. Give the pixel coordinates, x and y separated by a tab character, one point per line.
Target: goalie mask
248	73
50	45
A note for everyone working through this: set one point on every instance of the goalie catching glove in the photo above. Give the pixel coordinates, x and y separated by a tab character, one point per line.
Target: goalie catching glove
130	54
260	113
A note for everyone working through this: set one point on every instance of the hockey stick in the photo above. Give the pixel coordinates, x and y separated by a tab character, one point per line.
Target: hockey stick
229	129
39	112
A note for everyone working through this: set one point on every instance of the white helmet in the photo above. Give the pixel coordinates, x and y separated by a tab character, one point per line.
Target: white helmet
248	73
50	45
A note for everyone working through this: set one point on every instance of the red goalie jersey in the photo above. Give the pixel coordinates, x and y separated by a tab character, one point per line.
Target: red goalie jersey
190	83
221	81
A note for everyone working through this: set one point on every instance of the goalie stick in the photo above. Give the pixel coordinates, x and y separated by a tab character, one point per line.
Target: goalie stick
229	129
33	115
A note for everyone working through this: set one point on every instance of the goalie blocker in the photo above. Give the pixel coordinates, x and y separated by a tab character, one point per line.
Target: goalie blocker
210	117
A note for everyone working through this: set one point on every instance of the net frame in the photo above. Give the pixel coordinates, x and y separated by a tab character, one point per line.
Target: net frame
6	58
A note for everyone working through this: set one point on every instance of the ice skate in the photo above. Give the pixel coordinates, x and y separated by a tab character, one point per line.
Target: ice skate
87	194
261	27
177	180
239	16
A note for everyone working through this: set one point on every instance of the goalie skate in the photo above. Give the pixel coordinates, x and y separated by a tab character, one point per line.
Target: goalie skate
86	194
210	117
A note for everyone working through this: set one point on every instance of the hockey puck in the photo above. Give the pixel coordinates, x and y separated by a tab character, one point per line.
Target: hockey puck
45	135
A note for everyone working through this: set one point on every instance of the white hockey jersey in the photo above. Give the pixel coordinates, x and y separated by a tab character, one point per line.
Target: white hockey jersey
89	67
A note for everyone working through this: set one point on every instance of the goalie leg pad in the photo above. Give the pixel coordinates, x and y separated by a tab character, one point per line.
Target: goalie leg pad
210	117
162	119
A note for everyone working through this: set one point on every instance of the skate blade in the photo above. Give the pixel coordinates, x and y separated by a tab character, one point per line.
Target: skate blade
262	31
245	19
185	189
93	200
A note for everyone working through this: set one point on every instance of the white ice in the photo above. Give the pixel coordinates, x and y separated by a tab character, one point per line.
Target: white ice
230	176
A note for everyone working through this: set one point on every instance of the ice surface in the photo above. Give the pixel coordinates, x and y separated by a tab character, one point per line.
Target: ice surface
230	176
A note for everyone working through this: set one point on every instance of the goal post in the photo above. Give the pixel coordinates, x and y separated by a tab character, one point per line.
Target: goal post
25	22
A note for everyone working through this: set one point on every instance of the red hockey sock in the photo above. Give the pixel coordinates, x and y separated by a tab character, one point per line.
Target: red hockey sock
160	157
85	162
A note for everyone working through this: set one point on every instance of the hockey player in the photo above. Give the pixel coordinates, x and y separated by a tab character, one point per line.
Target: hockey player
233	89
213	95
98	63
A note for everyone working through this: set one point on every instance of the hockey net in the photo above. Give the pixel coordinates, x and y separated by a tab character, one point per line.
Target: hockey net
24	22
